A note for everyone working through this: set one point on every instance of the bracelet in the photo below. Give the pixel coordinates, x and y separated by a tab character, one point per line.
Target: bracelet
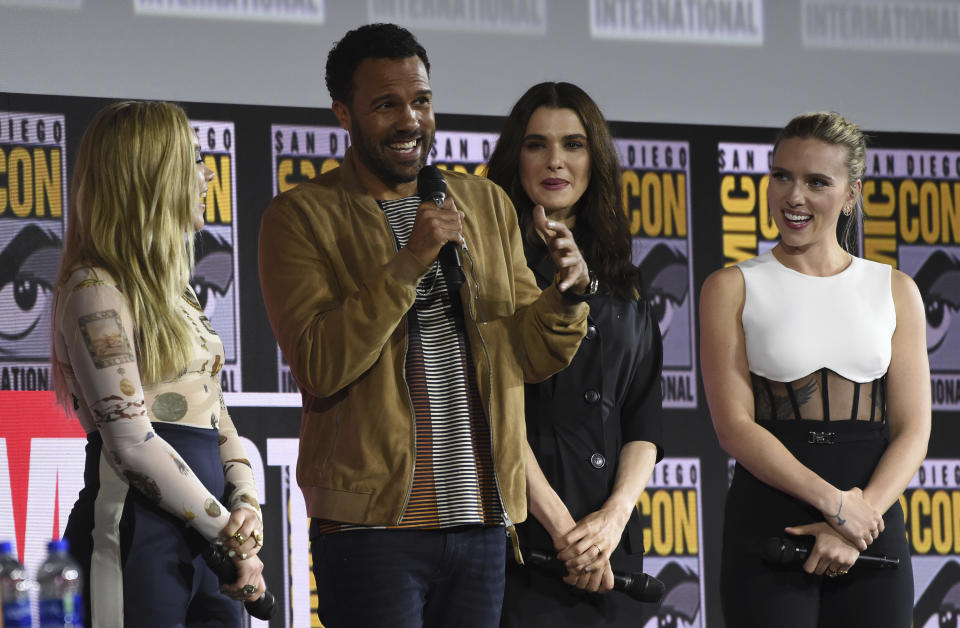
840	521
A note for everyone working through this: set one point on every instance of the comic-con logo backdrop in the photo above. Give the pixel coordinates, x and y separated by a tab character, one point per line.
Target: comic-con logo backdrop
216	256
747	230
931	507
911	202
670	509
655	182
33	201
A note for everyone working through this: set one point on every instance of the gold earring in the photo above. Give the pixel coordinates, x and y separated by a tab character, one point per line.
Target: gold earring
847	210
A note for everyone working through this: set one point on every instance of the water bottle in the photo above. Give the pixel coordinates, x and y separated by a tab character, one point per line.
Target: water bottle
14	590
61	589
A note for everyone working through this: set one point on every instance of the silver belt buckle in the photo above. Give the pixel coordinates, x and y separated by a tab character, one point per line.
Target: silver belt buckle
822	438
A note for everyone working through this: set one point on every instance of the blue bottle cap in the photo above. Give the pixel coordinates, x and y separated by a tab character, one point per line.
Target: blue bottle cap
61	545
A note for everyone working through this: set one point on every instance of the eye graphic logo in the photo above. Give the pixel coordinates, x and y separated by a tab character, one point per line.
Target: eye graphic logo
670	514
911	206
32	201
28	270
216	264
931	508
213	271
655	182
939	605
664	274
680	607
939	282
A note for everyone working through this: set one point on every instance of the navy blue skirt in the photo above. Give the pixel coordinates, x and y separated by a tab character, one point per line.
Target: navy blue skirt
141	563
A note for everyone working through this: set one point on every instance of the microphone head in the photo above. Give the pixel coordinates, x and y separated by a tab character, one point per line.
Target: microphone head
650	589
431	184
778	550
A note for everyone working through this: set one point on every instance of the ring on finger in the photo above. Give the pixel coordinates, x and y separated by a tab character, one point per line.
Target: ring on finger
248	590
238	538
258	538
599	551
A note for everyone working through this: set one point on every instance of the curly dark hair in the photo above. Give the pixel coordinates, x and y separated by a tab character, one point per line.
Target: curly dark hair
371	41
601	229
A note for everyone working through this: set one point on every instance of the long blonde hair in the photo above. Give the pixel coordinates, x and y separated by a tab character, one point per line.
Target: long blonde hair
132	199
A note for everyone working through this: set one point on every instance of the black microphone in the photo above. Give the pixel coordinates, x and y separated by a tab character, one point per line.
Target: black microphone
640	586
264	607
431	185
786	551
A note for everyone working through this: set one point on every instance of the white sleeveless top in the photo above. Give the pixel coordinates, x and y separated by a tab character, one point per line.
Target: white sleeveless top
795	324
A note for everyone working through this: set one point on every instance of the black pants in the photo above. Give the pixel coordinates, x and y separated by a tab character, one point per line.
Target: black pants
754	594
409	578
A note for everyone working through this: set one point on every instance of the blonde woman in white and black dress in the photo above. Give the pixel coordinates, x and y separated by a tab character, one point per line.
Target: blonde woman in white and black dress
136	360
815	367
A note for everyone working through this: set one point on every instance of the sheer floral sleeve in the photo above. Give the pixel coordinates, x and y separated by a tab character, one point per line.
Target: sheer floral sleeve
241	490
95	347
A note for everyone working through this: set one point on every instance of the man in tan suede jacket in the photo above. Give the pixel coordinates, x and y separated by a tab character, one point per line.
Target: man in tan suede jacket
412	440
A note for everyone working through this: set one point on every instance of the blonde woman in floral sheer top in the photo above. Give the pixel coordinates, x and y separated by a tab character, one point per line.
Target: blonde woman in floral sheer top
137	361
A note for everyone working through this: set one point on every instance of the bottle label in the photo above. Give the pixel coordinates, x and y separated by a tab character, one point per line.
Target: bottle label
16	614
63	611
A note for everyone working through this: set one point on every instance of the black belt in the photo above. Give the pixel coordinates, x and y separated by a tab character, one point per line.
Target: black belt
825	432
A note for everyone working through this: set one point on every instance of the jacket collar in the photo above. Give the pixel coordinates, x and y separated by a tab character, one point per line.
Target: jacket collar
350	180
349	176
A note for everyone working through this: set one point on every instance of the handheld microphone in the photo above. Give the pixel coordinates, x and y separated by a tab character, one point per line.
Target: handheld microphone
264	607
786	551
640	586
431	185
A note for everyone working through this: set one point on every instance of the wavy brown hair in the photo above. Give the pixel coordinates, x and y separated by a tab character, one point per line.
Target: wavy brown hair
601	229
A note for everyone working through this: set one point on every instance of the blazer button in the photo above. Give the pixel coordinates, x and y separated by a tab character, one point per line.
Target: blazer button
591	396
598	461
591	332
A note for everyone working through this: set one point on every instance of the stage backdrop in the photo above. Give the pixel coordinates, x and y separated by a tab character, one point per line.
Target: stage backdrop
694	199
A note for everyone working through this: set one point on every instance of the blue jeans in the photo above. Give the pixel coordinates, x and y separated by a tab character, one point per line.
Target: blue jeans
410	578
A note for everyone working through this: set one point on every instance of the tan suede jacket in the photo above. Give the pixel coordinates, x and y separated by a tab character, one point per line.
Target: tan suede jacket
337	292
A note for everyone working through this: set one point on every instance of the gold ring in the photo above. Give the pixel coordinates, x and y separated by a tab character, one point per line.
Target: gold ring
840	572
258	538
248	590
599	551
238	538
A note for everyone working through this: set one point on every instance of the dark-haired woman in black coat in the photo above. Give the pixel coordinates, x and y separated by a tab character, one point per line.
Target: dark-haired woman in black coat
593	428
